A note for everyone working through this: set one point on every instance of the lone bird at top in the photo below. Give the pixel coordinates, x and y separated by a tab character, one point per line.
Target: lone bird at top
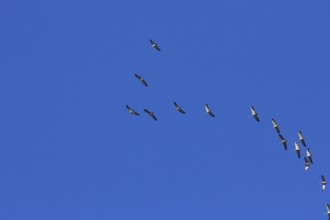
275	126
178	108
324	182
141	79
283	141
328	211
306	163
301	138
154	45
208	110
151	114
254	114
297	148
309	156
131	111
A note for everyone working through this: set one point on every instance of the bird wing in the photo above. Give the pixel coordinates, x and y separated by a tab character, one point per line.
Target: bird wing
128	108
285	145
176	105
211	113
157	48
252	110
277	129
274	122
207	109
151	41
281	137
137	76
154	117
147	111
144	82
181	111
323	179
256	118
298	153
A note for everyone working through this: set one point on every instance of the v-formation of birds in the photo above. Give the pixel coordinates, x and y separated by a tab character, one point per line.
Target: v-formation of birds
307	159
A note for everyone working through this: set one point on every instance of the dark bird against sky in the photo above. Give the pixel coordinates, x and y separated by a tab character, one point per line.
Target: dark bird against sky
151	114
178	108
154	45
141	79
131	111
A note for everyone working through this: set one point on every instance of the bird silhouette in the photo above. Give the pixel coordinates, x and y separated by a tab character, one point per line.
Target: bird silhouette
154	45
131	111
141	80
178	108
151	114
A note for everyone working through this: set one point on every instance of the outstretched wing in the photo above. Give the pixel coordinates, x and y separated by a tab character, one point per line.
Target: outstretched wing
154	117
137	76
211	113
323	179
157	48
144	83
151	42
256	118
298	153
147	111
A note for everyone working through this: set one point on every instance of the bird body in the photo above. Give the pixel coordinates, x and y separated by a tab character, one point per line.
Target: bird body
254	114
328	211
141	80
151	114
208	110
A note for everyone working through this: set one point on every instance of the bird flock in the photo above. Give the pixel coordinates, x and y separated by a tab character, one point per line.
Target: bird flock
307	159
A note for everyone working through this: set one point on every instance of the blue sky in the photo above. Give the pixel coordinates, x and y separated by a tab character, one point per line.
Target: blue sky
70	150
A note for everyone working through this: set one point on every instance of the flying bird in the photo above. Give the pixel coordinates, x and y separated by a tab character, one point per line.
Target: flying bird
328	211
309	156
131	111
283	141
141	79
275	126
306	163
208	110
178	108
297	148
324	182
254	114
151	114
154	45
301	138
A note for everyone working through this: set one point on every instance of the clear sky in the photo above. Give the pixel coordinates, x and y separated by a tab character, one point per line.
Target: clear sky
70	150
